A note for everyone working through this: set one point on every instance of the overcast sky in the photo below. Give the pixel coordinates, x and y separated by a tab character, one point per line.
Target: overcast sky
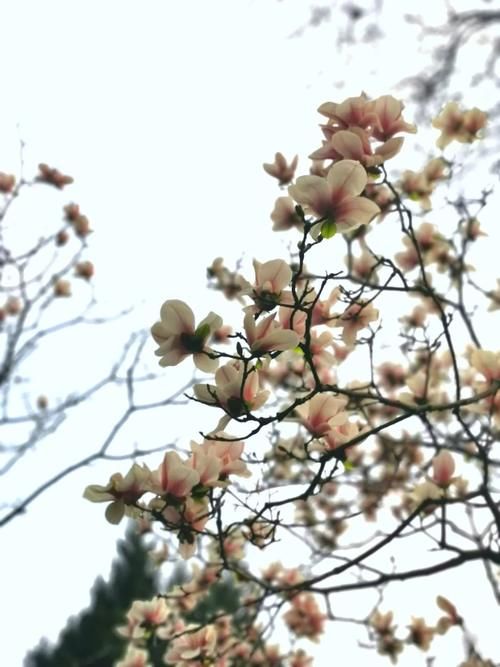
163	112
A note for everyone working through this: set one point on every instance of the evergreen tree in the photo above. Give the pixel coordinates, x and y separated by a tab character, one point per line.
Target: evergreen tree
90	639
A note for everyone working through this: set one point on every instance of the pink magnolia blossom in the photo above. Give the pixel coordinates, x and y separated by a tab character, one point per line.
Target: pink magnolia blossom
206	465
228	454
267	335
174	477
295	320
280	169
458	125
271	278
187	519
389	118
354	144
284	215
487	363
339	435
178	337
322	309
443	467
352	112
134	657
300	658
193	649
305	618
418	187
322	412
336	197
427	490
356	317
142	616
235	392
322	350
124	492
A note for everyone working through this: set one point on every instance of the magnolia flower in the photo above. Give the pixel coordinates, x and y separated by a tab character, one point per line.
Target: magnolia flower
356	317
142	615
124	492
189	518
388	111
284	215
335	198
235	390
352	112
305	618
178	338
199	646
206	465
228	454
300	659
458	125
134	657
494	295
322	309
487	363
174	477
340	434
364	266
418	187
268	335
421	634
322	350
443	467
436	169
280	169
271	278
322	412
354	144
427	490
295	320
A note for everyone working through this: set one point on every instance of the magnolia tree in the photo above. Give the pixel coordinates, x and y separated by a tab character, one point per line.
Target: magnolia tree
321	421
48	309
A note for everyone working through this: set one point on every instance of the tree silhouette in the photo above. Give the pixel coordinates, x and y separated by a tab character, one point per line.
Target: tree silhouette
90	638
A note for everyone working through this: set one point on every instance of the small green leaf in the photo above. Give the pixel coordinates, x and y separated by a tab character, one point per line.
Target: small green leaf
328	229
203	331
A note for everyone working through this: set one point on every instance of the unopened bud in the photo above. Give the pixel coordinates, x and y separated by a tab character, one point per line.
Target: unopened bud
7	182
62	288
443	468
42	402
82	226
84	270
13	306
62	237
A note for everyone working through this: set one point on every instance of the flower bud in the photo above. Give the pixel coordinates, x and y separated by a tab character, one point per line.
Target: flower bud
443	468
84	270
62	288
62	237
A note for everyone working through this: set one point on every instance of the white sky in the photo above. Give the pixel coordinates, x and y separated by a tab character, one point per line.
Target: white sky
163	112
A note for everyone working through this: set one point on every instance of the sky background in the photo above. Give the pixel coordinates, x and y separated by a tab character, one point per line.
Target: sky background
163	112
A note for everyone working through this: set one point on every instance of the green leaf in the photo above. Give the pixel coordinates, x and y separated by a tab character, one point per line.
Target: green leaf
328	229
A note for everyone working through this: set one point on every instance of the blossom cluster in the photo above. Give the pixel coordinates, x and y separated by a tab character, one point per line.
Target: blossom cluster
282	369
178	489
